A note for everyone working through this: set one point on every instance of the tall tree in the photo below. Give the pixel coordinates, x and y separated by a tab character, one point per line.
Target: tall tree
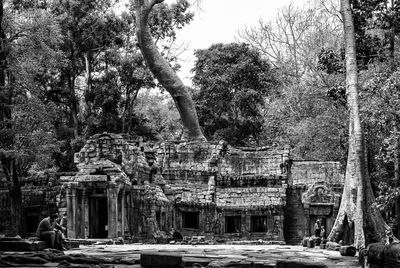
357	209
232	81
164	73
89	29
7	159
28	39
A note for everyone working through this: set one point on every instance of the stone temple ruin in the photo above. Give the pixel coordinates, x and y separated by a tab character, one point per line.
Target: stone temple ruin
138	190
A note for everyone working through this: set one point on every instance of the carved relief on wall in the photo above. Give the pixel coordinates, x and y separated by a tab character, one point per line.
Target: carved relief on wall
319	193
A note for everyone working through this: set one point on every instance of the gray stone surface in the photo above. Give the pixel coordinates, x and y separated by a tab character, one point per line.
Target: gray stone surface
225	255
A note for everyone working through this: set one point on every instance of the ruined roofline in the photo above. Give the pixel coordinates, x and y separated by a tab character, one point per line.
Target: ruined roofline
139	142
314	161
242	148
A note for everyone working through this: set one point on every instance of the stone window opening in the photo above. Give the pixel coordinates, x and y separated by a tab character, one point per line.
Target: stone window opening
190	220
233	224
258	224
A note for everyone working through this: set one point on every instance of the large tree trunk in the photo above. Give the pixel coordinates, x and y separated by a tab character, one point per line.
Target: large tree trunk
164	73
74	102
395	130
74	108
396	177
358	200
14	195
88	67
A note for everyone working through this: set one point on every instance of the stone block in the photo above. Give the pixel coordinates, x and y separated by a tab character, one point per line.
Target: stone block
160	260
299	264
376	253
310	243
392	255
347	251
22	245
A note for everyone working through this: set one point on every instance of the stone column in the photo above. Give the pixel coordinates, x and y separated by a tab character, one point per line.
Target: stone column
83	215
123	213
86	213
71	212
307	221
112	203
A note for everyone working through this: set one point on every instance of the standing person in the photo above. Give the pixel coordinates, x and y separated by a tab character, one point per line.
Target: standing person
322	232
46	231
317	228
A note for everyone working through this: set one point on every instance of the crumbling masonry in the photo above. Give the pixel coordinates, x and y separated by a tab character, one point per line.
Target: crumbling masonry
144	191
128	188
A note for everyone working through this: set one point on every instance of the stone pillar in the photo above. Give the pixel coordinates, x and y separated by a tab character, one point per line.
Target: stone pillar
83	215
307	221
71	212
86	214
123	214
112	203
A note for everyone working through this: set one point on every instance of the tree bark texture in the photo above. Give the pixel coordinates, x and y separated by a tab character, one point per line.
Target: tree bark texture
164	73
14	195
74	103
357	199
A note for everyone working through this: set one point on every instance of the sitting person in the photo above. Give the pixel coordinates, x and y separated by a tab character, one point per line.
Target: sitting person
61	224
47	231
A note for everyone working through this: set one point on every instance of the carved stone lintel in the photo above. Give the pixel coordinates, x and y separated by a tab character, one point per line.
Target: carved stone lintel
320	194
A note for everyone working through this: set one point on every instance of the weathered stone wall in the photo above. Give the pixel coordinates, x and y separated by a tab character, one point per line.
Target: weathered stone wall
162	183
301	210
213	179
308	172
40	196
150	211
295	217
118	149
250	197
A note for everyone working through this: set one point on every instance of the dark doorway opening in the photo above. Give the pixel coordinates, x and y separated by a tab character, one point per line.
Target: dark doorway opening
233	224
98	217
321	223
190	220
258	224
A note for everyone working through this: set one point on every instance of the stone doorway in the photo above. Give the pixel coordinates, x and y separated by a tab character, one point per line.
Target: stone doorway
98	217
313	220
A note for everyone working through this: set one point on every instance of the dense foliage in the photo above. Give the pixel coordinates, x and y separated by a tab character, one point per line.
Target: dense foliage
231	83
70	69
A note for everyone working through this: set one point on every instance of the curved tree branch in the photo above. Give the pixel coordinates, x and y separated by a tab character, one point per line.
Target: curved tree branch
164	72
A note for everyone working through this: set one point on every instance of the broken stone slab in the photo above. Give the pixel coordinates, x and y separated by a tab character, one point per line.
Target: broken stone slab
392	255
348	251
192	261
160	260
21	259
332	246
299	264
23	245
376	253
239	264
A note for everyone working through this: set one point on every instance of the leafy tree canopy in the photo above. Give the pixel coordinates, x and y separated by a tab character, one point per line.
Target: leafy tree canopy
232	81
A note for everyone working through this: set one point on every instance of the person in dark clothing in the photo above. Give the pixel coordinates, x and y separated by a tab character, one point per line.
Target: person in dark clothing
317	228
48	230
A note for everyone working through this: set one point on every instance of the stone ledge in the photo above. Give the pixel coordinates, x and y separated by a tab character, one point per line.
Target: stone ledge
23	245
160	260
299	264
